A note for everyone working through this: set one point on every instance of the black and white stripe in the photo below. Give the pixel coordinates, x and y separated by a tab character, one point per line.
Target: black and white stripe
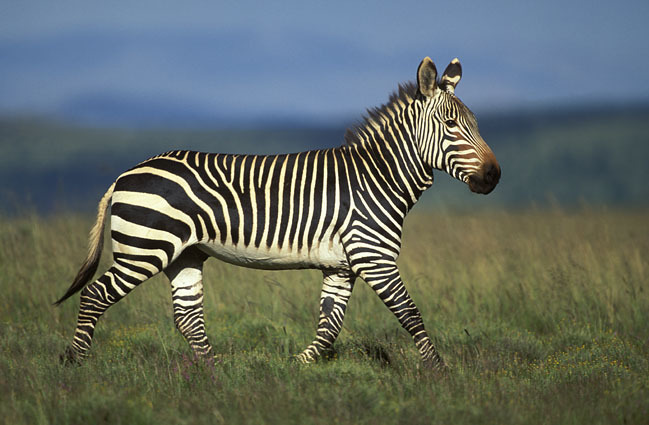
340	210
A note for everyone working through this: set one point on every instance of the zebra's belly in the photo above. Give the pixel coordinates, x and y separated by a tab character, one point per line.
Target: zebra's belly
323	255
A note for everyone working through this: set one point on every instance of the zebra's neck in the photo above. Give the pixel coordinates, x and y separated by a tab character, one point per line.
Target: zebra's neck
385	145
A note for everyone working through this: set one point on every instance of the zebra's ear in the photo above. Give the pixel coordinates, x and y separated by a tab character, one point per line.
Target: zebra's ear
451	76
427	77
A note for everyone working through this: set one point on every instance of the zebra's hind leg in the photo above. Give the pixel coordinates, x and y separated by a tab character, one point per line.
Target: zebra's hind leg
97	297
186	276
336	289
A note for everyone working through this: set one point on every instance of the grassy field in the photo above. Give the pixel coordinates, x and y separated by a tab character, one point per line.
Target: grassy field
542	315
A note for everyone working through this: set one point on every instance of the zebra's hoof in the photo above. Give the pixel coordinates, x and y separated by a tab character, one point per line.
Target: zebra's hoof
69	357
436	366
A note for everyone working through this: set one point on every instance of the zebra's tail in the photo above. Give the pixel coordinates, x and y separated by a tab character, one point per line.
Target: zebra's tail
96	244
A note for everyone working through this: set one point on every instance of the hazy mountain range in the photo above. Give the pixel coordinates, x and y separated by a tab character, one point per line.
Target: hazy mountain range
220	63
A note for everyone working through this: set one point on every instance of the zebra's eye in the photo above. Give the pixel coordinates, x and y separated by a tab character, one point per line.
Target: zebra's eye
450	123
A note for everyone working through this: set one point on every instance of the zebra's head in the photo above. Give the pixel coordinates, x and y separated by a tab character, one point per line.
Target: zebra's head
447	131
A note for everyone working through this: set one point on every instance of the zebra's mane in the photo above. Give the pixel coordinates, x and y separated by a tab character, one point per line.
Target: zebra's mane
405	94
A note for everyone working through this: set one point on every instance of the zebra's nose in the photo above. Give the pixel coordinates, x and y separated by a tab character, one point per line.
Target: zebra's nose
491	174
486	179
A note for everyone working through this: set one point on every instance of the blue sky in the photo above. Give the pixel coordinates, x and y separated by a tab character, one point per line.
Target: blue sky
315	61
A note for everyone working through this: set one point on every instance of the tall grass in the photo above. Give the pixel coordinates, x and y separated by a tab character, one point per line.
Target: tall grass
542	315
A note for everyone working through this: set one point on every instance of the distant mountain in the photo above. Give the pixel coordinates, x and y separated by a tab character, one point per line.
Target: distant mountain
113	110
125	111
129	78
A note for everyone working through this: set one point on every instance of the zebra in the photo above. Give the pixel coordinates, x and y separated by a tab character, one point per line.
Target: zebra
339	210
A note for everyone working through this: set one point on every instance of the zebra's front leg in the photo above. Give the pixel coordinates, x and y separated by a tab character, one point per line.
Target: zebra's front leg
186	276
386	281
336	289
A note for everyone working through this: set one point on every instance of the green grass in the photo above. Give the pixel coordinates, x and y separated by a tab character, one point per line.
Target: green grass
543	317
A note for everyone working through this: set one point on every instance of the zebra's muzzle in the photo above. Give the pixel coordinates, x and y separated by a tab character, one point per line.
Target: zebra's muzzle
485	180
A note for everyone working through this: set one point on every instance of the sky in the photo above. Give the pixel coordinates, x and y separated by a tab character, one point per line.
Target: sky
167	62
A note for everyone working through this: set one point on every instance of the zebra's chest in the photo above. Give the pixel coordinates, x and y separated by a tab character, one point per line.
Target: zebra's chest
326	254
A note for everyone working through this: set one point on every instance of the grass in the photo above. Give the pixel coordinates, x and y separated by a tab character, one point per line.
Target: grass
543	316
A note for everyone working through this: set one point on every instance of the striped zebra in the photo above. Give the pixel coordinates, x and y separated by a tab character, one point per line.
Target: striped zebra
340	210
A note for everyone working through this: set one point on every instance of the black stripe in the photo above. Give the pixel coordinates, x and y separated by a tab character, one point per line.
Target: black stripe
151	259
273	197
344	196
318	191
246	198
308	172
284	224
134	241
152	219
299	169
134	268
261	175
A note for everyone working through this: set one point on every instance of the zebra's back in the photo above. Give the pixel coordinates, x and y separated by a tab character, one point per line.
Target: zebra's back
273	211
